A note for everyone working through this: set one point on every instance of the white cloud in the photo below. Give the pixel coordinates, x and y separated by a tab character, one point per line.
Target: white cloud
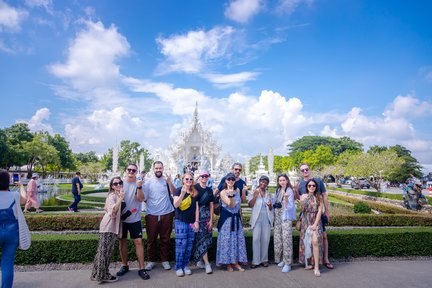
11	17
243	10
289	6
36	122
407	106
231	80
190	53
91	57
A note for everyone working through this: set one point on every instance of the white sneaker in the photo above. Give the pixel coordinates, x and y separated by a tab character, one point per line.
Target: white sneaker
166	265
187	271
200	264
281	264
208	268
149	266
286	268
180	273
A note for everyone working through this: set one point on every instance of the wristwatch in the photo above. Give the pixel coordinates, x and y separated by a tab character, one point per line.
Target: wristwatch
140	187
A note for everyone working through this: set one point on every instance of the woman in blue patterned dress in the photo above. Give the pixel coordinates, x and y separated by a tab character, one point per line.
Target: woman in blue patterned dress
231	244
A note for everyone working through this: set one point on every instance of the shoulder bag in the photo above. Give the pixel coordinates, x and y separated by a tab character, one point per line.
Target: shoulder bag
24	232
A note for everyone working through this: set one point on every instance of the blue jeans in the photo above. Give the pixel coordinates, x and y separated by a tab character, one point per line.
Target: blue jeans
9	239
77	199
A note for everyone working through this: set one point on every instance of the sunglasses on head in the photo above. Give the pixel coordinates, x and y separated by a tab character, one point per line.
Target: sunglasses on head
231	179
304	170
117	183
131	170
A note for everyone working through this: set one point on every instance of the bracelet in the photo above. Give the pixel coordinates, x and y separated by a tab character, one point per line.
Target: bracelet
140	187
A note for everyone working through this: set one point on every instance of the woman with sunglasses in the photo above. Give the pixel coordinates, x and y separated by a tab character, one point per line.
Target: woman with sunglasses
285	213
231	244
203	239
311	228
185	224
109	230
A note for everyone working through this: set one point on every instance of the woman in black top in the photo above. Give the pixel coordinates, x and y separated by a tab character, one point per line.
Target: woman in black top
203	239
186	223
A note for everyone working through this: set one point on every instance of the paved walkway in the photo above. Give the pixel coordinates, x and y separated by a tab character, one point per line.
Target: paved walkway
351	274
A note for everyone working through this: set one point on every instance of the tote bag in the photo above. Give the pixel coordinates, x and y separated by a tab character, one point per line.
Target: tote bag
24	232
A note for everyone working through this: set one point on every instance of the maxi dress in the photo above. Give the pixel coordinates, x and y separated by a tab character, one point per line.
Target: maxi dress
308	219
231	244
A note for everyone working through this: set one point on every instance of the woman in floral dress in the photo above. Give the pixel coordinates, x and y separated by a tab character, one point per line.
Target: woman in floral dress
231	244
311	206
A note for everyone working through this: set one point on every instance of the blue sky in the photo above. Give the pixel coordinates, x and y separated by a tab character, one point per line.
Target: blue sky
264	73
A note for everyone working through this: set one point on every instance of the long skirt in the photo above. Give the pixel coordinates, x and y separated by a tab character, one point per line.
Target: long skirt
103	257
231	245
203	238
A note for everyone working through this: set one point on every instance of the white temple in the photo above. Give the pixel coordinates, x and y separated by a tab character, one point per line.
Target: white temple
195	146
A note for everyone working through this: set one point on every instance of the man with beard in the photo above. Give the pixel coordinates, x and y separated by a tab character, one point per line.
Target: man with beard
301	189
159	219
131	221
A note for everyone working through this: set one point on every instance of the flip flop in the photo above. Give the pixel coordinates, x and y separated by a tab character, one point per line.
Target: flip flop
328	265
309	267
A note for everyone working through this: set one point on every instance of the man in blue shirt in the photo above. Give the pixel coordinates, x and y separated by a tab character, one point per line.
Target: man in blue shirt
76	191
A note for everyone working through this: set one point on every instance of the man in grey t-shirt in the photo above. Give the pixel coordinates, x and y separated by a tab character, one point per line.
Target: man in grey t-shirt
131	216
160	213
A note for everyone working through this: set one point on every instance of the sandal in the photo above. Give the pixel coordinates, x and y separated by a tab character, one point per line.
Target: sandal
239	268
328	265
309	267
265	264
229	268
253	266
317	273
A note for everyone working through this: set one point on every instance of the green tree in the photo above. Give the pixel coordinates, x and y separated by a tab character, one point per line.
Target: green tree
87	157
410	166
337	145
17	135
4	150
129	152
66	157
38	150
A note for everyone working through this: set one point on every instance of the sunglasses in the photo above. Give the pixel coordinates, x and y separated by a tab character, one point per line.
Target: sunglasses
311	185
188	179
117	183
204	176
237	169
131	170
230	179
304	170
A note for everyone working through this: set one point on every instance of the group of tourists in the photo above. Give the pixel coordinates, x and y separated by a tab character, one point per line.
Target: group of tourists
190	207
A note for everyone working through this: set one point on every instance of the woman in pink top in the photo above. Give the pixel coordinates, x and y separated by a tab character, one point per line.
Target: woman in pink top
31	195
109	230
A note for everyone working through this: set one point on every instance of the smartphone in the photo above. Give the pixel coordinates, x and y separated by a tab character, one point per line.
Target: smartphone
15	178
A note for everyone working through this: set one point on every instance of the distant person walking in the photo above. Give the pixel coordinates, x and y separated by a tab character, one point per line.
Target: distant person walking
76	192
32	200
109	230
9	235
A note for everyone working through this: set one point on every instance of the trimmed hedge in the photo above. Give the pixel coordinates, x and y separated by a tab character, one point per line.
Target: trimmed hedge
374	194
343	244
391	209
90	221
62	208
